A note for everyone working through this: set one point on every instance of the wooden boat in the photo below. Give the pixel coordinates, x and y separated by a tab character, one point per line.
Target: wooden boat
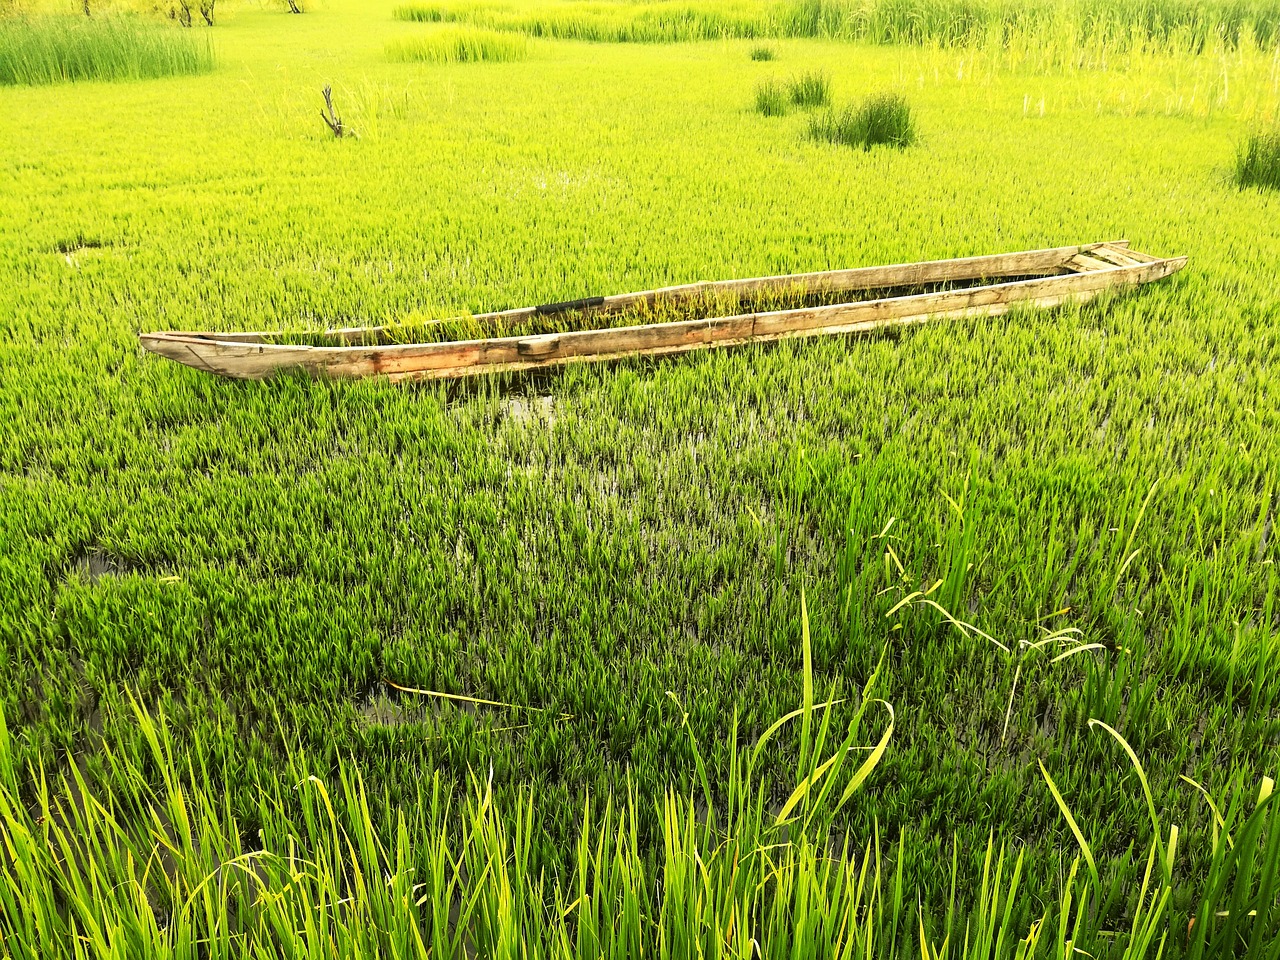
868	298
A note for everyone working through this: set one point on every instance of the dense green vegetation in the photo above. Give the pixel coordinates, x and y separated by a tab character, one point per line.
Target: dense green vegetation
811	89
604	567
775	98
164	871
58	49
1192	26
1258	161
771	98
882	119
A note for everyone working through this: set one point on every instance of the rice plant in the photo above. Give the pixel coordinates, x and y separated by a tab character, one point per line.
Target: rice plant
459	46
763	53
882	119
49	49
1258	160
811	89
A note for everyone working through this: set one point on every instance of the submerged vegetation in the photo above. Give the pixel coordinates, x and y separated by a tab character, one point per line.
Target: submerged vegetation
53	49
883	119
303	668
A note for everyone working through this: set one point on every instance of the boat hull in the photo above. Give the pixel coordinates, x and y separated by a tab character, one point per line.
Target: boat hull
1075	274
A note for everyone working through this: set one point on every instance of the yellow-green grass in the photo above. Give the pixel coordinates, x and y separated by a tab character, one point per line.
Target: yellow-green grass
260	559
1189	25
458	46
56	49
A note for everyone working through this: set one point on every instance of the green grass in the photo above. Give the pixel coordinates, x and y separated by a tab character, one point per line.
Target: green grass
811	89
458	46
159	865
882	120
267	565
772	98
1258	160
421	14
763	53
52	49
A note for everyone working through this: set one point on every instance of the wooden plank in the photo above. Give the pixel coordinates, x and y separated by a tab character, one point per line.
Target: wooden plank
1116	256
1085	263
1137	255
868	278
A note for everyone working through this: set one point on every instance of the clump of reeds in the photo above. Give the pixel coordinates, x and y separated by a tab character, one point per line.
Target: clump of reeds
417	13
882	119
1258	160
761	53
774	97
771	98
811	89
459	46
58	49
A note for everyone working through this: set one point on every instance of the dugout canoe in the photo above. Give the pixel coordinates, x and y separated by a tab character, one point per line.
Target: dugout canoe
969	286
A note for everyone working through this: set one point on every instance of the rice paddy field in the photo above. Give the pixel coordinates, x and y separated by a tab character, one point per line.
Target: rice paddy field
957	642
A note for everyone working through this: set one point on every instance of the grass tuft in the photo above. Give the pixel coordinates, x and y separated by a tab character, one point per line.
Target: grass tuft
1258	160
771	98
810	90
882	119
416	13
459	46
60	49
763	53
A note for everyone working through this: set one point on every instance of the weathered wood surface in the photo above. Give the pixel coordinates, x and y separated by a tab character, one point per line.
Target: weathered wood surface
1071	273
